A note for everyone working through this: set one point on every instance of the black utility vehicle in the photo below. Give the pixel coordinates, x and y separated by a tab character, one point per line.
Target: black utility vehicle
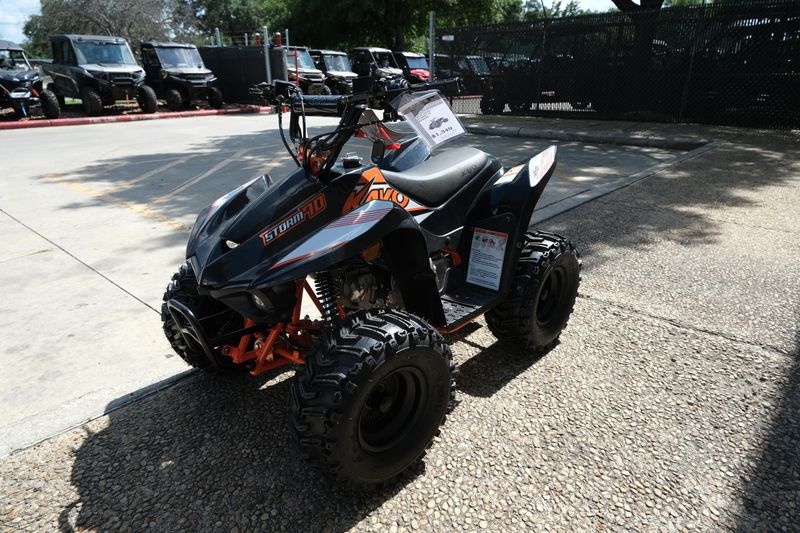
473	72
99	70
301	70
370	61
338	71
21	85
177	73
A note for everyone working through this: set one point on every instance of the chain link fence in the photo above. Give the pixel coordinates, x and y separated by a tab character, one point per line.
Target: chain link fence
723	63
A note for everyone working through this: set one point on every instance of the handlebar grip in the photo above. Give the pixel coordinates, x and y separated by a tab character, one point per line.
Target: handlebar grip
443	85
319	103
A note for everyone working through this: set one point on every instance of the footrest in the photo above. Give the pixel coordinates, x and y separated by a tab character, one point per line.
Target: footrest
466	304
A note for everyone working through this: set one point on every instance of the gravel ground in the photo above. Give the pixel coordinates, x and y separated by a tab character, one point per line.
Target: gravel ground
651	415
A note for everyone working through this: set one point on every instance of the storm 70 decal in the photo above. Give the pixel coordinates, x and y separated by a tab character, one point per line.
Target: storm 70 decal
307	211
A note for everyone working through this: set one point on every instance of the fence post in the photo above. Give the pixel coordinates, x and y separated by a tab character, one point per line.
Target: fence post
432	42
685	93
287	37
216	34
541	65
267	59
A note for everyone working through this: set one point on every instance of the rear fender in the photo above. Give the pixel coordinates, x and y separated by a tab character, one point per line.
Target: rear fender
403	248
519	189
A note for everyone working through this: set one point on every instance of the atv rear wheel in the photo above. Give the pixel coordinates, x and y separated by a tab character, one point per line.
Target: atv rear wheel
215	98
49	103
92	103
146	98
367	404
183	287
542	295
174	99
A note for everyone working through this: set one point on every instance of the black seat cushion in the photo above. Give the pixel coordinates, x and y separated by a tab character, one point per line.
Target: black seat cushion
434	181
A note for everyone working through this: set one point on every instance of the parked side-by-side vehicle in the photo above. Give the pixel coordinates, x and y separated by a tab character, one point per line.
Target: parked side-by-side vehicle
177	74
99	70
21	84
371	60
302	71
415	66
338	71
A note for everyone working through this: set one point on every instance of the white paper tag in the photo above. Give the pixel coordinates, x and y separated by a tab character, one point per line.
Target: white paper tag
432	119
486	258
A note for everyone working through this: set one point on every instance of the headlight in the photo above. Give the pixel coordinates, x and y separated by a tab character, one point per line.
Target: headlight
99	74
258	302
139	75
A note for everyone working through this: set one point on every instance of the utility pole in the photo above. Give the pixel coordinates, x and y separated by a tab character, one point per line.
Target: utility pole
432	41
287	36
216	34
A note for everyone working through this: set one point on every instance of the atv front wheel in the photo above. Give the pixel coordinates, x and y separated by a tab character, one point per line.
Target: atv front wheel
367	404
147	100
49	103
542	295
92	103
183	288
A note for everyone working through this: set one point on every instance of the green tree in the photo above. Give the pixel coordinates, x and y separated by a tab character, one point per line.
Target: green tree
535	10
239	16
396	25
134	20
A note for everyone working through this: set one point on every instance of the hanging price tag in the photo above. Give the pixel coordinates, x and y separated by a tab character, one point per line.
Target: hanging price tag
431	117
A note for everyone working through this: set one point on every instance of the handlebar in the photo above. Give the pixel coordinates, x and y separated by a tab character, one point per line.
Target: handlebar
320	152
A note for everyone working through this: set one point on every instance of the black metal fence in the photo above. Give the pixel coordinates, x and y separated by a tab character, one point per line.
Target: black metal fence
239	68
727	63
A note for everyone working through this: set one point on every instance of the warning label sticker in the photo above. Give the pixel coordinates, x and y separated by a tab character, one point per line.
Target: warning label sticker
486	258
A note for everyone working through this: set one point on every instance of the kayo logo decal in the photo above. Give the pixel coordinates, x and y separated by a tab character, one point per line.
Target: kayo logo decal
372	186
307	211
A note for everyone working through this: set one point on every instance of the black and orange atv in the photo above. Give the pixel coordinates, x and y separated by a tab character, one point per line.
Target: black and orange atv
401	251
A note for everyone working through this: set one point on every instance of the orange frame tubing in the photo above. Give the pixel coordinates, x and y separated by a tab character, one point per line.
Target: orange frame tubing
270	350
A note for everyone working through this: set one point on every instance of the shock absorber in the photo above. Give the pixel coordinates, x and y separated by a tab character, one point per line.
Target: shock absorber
326	292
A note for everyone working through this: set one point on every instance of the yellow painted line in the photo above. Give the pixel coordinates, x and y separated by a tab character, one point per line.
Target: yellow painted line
138	208
70	177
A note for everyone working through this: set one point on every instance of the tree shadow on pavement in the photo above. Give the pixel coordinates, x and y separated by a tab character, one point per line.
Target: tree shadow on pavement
771	494
209	454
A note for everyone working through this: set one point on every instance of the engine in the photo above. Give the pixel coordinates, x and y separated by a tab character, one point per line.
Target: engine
366	288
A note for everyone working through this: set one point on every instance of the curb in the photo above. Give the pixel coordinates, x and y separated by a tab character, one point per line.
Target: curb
81	121
670	143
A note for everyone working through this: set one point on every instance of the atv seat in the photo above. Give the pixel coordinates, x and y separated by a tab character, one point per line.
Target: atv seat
432	182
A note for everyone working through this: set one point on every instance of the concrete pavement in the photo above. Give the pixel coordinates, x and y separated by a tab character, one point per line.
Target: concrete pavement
672	402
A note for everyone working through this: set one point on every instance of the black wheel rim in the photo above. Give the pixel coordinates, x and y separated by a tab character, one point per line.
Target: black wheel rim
550	296
392	407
